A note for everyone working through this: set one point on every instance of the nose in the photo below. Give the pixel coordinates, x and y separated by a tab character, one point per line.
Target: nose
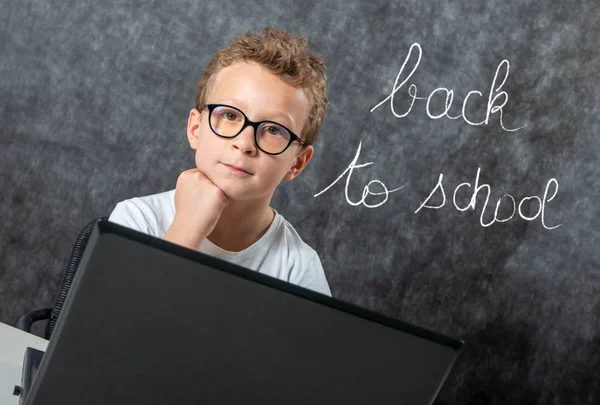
245	141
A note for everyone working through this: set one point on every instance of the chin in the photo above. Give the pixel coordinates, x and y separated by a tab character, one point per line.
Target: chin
236	193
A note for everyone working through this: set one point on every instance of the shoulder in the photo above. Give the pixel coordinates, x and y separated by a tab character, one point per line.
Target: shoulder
292	237
151	214
306	269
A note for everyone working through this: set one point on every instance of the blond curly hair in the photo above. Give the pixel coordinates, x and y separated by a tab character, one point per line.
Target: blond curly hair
283	54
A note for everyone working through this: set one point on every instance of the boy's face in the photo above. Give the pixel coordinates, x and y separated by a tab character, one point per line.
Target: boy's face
236	165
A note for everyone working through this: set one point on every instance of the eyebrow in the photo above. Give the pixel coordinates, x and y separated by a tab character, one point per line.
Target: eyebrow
236	103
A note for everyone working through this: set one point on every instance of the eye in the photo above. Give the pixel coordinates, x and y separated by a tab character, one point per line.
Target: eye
229	116
273	130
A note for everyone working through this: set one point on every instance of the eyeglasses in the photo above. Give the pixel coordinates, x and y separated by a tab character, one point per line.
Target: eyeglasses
270	137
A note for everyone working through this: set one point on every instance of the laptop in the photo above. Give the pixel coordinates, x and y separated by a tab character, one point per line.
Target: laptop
148	321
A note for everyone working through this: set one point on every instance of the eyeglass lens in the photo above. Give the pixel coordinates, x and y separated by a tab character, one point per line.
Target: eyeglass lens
228	122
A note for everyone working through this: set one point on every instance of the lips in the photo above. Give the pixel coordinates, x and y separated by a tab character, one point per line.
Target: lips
238	168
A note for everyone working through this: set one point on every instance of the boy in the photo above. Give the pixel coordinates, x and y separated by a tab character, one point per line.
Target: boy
260	104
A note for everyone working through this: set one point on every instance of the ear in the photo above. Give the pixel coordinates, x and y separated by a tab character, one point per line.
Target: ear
193	126
300	162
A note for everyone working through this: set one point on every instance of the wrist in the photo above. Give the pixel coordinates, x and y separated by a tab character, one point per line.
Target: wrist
181	233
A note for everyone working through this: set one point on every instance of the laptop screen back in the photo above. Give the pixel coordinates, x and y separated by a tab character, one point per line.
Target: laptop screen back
151	322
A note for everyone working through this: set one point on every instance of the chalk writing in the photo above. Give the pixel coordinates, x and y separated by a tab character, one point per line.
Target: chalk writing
496	101
551	188
495	94
541	208
366	190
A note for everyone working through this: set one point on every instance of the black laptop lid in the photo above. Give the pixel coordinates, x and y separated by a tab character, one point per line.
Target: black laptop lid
147	321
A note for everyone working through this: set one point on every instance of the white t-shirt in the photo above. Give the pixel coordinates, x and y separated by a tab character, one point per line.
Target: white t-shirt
279	253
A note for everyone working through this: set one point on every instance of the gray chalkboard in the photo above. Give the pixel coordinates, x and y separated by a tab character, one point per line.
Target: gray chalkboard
443	102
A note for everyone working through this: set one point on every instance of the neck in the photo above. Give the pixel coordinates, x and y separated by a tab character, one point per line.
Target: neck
241	224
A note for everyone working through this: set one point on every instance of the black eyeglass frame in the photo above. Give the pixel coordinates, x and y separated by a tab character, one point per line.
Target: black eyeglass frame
255	125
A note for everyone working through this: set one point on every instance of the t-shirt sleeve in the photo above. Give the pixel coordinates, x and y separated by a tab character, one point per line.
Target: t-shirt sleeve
129	215
313	277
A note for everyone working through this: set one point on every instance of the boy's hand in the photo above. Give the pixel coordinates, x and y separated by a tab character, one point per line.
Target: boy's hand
198	207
